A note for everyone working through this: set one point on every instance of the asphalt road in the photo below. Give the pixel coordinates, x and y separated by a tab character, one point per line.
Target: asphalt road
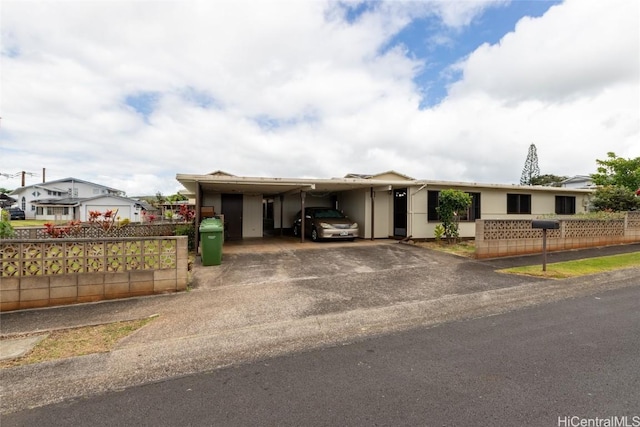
548	365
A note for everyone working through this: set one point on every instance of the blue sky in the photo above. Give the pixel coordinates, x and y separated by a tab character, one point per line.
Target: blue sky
432	89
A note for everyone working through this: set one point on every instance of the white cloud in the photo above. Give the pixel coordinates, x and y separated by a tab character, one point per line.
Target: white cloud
292	89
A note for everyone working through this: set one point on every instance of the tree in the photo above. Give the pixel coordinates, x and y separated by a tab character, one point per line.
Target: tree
615	198
160	199
618	171
531	168
548	180
4	190
450	202
176	198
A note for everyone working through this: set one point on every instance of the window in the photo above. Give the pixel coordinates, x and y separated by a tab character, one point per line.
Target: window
23	204
518	203
39	210
565	205
65	211
471	214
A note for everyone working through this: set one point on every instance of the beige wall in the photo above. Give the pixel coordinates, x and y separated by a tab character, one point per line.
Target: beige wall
252	215
493	205
355	205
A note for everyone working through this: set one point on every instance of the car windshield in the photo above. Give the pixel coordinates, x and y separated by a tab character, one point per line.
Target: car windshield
328	213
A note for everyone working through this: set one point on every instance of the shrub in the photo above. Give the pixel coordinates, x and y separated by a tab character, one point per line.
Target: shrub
188	230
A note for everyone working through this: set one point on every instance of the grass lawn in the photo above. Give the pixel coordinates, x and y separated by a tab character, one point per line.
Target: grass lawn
582	267
29	223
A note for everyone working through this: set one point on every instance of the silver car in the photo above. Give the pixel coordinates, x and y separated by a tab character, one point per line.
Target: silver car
325	223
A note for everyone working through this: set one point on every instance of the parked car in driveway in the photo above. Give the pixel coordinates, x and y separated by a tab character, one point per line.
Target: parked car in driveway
325	223
15	213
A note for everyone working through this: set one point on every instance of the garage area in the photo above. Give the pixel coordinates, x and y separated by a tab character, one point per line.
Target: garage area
266	207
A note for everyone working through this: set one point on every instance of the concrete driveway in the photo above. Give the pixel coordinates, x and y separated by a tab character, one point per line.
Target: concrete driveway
262	303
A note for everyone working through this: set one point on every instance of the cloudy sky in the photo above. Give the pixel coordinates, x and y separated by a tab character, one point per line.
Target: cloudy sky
130	93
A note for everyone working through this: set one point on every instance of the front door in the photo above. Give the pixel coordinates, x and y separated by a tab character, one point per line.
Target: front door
400	212
232	210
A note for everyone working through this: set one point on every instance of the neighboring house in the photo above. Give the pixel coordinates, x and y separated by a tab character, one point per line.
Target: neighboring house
6	201
385	205
578	181
72	199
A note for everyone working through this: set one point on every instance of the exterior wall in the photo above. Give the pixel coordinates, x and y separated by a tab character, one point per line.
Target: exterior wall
291	206
356	205
252	216
496	238
213	200
42	273
383	220
418	226
493	205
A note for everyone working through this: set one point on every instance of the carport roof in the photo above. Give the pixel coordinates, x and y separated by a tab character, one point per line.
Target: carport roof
275	186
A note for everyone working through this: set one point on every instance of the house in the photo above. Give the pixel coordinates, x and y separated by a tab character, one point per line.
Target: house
578	181
385	205
6	200
73	199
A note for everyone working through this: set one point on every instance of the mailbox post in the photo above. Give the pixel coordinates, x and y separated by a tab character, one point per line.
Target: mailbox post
545	225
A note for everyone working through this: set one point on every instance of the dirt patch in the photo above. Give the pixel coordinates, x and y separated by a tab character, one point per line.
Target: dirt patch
74	342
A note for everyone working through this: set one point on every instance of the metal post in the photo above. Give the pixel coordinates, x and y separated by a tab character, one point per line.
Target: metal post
281	214
544	249
373	210
302	216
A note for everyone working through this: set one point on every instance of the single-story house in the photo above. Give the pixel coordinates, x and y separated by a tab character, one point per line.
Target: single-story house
385	205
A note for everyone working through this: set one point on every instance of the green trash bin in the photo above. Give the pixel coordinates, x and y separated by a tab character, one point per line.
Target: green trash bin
211	240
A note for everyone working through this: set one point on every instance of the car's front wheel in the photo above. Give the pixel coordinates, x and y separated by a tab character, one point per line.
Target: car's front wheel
296	231
314	235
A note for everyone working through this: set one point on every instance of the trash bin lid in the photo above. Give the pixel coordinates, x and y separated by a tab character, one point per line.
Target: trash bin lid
211	224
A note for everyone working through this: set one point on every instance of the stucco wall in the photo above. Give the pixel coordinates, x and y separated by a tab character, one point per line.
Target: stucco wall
355	205
252	216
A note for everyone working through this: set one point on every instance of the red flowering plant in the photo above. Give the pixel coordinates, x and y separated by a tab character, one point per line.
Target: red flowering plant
187	214
104	220
72	228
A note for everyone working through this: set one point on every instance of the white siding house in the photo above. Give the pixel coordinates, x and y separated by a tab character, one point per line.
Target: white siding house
72	199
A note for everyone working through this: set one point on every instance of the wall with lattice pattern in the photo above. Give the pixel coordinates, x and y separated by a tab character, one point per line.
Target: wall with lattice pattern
39	273
94	232
503	237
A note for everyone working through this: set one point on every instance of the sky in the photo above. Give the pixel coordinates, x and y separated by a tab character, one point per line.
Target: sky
130	93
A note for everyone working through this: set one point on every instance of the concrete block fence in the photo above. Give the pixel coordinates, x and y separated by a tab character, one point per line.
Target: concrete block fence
42	273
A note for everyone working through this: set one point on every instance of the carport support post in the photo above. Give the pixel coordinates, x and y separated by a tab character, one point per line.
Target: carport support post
303	194
544	249
373	209
281	214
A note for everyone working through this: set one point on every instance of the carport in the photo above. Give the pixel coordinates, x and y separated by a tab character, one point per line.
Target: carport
363	197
